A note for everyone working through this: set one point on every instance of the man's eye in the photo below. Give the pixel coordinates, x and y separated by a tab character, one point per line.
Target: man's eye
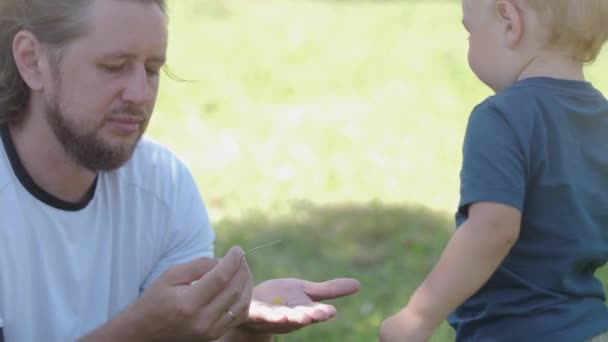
153	71
113	68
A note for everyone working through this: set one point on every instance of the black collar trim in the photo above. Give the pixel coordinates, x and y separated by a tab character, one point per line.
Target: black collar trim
29	184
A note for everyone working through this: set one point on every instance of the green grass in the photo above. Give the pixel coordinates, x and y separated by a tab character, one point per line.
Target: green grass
389	248
334	126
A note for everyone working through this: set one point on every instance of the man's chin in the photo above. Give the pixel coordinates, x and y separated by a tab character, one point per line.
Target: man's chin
108	158
117	140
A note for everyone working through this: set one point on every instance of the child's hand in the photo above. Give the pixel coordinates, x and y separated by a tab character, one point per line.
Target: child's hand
405	326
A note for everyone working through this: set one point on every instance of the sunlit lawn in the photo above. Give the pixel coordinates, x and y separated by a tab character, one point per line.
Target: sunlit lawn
334	126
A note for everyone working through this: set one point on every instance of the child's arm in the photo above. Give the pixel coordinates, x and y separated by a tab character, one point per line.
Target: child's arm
472	255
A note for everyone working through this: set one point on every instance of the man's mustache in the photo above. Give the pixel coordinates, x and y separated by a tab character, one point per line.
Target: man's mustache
131	110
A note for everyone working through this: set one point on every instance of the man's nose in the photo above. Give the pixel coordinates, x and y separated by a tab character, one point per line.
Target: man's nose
137	89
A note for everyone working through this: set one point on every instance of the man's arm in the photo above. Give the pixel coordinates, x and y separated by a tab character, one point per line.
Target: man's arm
188	302
262	317
123	327
241	335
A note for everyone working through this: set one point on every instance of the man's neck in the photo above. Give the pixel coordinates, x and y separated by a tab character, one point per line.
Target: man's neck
47	163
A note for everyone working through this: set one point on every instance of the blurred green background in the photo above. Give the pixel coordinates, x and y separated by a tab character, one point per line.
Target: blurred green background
334	126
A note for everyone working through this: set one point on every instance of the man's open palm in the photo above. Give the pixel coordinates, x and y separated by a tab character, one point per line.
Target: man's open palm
281	306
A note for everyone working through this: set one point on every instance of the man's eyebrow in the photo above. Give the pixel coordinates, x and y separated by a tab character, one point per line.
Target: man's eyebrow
160	59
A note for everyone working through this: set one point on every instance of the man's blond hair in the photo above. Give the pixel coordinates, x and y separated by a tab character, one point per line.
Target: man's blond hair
577	27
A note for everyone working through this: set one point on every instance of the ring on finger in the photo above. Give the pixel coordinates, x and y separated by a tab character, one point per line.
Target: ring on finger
231	314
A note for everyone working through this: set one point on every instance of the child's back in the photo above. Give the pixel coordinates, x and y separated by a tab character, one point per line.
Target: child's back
541	146
533	214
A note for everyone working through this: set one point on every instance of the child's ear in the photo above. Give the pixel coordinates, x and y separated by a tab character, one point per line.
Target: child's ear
511	20
27	53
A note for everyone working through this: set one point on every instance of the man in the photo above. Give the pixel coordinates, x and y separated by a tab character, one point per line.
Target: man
104	237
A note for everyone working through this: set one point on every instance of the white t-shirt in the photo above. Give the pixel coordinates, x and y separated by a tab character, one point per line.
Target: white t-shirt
65	269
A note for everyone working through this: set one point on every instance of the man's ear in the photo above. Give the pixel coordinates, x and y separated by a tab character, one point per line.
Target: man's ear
511	20
27	53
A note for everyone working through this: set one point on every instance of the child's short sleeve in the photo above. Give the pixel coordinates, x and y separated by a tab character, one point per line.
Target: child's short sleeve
493	166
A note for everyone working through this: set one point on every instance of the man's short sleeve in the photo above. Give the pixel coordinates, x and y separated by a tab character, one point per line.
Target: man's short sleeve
493	166
189	234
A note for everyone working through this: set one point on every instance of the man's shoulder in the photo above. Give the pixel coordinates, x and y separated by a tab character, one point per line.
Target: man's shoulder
150	153
152	168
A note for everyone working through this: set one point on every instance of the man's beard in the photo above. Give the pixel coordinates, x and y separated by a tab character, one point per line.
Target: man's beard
86	148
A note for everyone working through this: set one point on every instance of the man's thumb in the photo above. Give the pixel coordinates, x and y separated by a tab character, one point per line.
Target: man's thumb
186	273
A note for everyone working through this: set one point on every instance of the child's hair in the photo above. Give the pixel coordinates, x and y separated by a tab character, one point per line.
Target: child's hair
580	27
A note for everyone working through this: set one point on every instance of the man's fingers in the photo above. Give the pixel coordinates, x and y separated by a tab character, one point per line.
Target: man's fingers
230	306
315	312
263	312
217	279
235	297
294	314
186	273
332	288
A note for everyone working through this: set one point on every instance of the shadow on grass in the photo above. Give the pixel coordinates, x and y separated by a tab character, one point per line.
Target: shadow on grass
389	248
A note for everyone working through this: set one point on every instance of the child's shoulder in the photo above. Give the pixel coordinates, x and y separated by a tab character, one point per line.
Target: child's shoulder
508	104
517	108
533	97
520	93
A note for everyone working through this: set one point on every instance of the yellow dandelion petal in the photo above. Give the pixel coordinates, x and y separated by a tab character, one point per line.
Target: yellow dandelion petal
278	300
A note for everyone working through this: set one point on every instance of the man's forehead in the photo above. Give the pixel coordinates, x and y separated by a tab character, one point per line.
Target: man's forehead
116	11
126	27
